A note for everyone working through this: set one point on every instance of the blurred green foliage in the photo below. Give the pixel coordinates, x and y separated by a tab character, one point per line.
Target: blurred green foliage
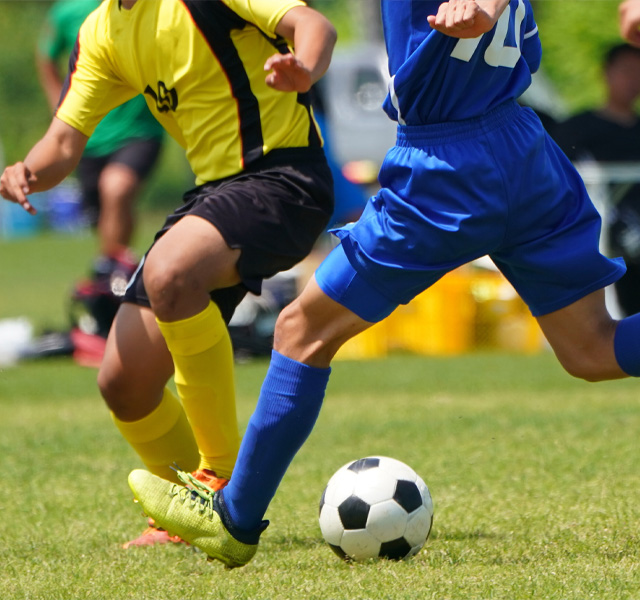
24	114
574	33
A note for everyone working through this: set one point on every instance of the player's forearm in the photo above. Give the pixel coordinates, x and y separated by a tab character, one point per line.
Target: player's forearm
50	80
55	156
313	37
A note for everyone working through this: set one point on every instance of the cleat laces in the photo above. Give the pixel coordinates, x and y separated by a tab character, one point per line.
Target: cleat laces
199	494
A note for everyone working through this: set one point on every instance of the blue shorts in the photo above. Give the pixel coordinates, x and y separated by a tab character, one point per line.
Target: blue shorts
495	185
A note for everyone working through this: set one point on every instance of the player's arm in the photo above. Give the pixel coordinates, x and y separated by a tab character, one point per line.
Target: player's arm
50	79
52	159
467	18
313	38
630	21
49	49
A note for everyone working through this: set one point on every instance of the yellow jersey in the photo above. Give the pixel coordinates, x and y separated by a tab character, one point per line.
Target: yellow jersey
200	66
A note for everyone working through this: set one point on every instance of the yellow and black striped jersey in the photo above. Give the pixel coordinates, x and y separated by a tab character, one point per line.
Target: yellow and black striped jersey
200	66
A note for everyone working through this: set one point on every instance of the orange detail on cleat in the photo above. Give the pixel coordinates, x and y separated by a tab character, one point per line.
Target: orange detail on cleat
153	535
210	479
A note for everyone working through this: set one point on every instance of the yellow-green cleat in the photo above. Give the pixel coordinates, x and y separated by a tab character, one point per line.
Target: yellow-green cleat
188	512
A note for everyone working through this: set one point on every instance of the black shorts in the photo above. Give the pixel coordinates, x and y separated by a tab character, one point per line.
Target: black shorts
274	211
137	154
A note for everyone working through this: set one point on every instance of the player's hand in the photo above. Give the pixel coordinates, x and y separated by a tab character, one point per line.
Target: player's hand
287	74
630	21
15	184
466	18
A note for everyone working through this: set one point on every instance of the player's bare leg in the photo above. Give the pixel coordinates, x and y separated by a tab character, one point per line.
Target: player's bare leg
314	327
136	365
118	187
187	263
133	381
582	337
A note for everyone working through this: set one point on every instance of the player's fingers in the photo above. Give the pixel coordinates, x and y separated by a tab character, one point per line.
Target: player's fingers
28	206
8	186
438	20
271	79
17	196
452	15
463	15
279	60
22	198
19	175
15	185
469	14
268	65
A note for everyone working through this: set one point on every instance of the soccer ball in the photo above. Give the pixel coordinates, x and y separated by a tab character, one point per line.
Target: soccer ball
376	507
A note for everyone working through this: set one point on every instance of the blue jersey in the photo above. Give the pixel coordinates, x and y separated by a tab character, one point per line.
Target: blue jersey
437	78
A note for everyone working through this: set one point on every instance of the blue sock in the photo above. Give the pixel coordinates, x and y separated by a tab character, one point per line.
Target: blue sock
287	409
626	345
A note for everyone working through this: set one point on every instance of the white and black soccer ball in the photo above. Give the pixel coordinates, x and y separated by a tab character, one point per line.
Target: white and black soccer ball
376	507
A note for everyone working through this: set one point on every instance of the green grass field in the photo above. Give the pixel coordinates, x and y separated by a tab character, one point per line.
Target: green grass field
535	476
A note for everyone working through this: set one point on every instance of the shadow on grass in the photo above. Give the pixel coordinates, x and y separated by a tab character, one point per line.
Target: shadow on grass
297	541
463	536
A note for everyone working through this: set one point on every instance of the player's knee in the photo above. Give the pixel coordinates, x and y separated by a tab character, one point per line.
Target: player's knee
164	282
124	394
113	389
301	337
288	332
590	355
586	364
118	186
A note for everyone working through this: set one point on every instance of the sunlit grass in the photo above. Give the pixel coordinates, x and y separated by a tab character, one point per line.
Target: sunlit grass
534	475
534	478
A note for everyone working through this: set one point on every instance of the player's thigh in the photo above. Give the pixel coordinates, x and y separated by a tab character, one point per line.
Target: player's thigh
136	364
582	335
191	254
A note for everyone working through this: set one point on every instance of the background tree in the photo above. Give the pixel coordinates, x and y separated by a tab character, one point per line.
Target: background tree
575	34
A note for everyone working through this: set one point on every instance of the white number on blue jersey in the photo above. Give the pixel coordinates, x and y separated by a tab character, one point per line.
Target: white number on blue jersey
497	54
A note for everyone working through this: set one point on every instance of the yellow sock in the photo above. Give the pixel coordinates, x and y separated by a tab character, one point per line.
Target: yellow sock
163	438
203	360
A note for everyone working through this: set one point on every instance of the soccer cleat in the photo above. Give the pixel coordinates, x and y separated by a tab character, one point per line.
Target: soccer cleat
188	512
152	536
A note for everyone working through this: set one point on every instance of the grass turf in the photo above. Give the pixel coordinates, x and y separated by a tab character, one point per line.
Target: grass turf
534	475
534	478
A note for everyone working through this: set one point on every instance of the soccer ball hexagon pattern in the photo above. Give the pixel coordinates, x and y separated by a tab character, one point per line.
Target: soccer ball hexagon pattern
376	507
